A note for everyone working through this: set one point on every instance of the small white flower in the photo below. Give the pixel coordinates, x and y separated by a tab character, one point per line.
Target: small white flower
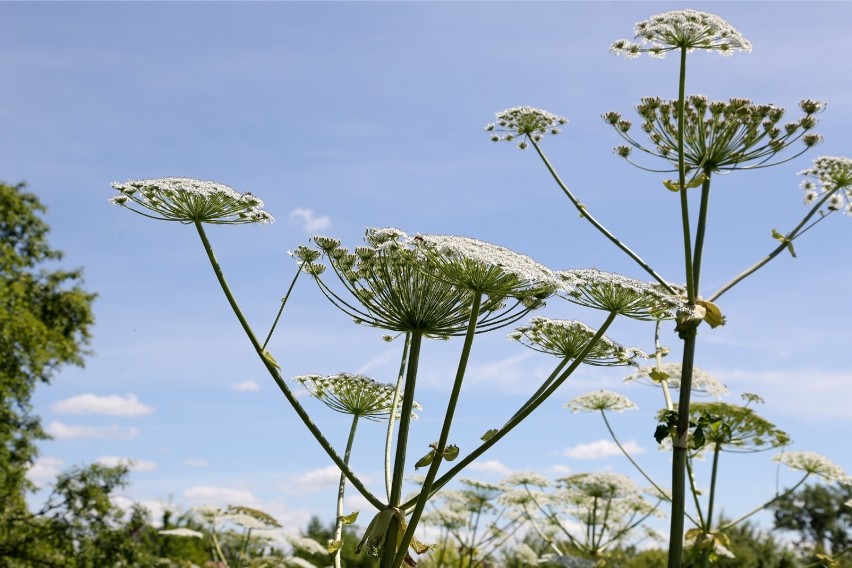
527	478
531	123
829	174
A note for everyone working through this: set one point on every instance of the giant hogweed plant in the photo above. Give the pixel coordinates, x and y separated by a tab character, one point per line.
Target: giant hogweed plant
439	286
422	287
693	140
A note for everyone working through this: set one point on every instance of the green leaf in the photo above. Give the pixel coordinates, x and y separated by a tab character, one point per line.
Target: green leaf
267	356
784	240
658	375
671	185
712	315
488	435
334	546
425	460
349	519
451	453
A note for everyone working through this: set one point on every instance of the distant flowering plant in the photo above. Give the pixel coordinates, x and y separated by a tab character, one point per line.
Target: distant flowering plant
682	29
813	463
600	400
189	200
526	123
703	383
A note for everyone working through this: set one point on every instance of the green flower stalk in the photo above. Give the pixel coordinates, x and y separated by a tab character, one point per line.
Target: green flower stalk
360	397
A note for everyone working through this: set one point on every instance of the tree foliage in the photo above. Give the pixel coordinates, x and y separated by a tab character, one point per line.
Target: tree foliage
818	514
45	321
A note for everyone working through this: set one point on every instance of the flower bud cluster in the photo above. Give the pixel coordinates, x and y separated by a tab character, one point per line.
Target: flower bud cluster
829	175
718	135
525	122
188	200
682	29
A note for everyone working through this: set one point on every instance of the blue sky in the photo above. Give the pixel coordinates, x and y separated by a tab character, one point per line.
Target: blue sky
343	116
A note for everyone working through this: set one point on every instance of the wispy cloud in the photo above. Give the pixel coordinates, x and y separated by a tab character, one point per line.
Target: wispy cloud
193	462
219	496
133	464
246	386
111	405
491	466
45	469
601	449
311	221
68	432
317	479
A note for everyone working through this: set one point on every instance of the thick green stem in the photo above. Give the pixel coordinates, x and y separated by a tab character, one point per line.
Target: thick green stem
425	490
341	491
274	371
701	229
392	418
389	551
596	224
679	455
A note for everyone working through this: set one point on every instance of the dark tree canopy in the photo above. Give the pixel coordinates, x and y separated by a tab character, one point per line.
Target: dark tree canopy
45	321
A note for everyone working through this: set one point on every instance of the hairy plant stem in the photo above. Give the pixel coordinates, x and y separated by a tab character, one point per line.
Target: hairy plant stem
341	491
679	457
389	551
400	380
274	371
425	490
597	225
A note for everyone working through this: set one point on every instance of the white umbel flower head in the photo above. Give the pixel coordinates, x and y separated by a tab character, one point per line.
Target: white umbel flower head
524	123
567	339
682	29
620	294
491	269
599	401
188	200
355	395
829	174
703	383
813	463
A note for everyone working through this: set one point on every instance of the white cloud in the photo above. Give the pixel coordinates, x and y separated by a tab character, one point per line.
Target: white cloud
828	397
68	432
317	480
112	405
133	464
356	502
219	496
193	462
246	386
45	469
561	470
311	221
491	466
601	449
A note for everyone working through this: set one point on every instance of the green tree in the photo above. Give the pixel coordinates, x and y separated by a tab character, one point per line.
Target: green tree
45	321
821	517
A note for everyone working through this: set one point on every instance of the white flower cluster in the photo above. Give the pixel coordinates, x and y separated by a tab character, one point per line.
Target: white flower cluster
703	383
525	122
486	267
617	293
356	395
829	174
567	339
814	464
188	200
599	401
530	478
682	29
